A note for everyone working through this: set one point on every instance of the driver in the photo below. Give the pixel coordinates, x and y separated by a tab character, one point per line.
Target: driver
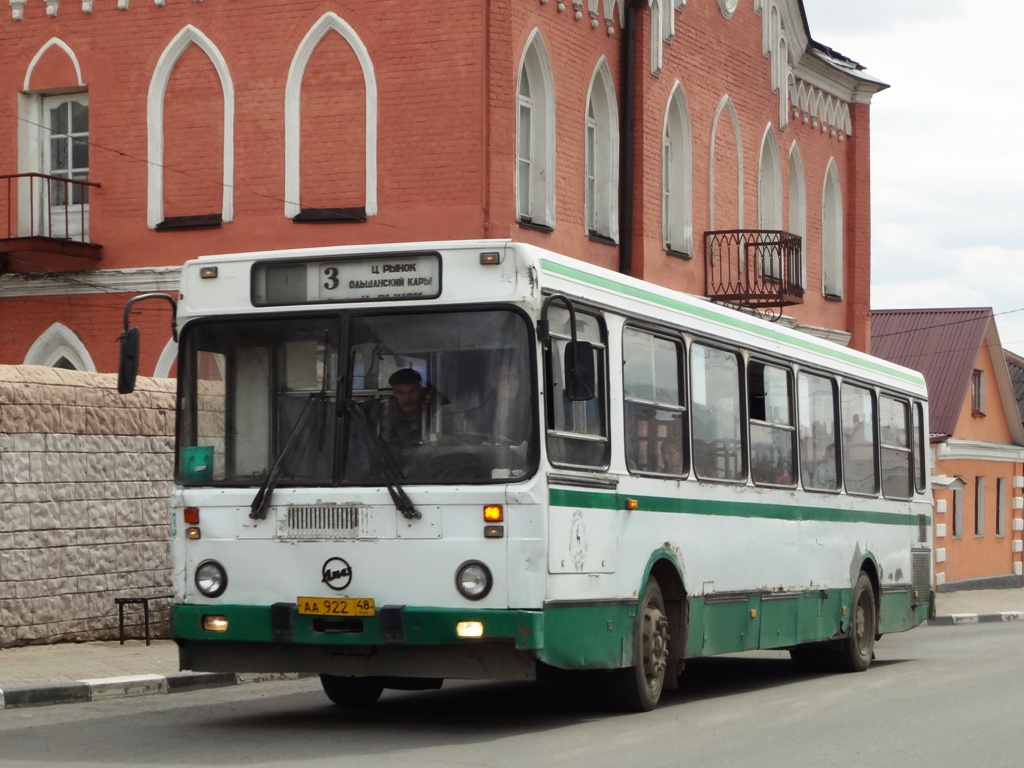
405	423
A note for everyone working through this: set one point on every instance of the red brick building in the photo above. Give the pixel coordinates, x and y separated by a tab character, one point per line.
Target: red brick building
677	141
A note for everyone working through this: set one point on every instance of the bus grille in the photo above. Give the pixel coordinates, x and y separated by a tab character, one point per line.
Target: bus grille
330	520
921	567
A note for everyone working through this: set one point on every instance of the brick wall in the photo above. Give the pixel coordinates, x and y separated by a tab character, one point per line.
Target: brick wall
84	479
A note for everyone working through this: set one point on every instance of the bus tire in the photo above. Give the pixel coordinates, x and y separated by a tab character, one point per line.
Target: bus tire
857	649
638	688
352	691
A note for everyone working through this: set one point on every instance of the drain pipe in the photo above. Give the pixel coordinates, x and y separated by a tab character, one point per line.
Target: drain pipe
627	144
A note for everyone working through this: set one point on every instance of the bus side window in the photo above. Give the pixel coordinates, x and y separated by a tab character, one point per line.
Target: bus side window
858	412
577	429
894	431
920	444
655	416
772	436
816	406
716	408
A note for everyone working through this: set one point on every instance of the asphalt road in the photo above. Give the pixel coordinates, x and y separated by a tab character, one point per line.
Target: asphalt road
937	696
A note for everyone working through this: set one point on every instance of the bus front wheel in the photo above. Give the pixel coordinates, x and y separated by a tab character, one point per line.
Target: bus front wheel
858	648
352	691
638	688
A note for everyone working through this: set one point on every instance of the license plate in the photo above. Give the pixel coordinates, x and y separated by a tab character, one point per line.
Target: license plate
336	606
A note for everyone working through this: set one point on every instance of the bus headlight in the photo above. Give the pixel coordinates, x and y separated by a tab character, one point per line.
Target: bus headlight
473	580
211	578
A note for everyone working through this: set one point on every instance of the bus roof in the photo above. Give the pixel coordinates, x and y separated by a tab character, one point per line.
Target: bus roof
635	297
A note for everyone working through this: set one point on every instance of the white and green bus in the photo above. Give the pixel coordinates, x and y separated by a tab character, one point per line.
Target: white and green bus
400	464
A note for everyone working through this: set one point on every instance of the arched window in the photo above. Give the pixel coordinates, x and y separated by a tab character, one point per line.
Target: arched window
769	200
677	176
657	38
535	137
726	173
798	207
53	109
360	75
769	184
59	347
155	118
832	234
602	157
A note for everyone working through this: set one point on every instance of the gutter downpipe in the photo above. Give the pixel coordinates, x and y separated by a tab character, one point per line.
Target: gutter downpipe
627	146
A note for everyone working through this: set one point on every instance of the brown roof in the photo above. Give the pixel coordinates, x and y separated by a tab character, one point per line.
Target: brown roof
1015	367
942	344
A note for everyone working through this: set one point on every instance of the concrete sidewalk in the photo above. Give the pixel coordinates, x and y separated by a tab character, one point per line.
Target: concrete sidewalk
63	673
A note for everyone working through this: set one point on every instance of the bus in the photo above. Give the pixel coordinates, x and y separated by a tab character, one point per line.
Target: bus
405	463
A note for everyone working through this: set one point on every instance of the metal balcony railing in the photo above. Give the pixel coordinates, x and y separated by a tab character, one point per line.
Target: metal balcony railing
40	205
753	268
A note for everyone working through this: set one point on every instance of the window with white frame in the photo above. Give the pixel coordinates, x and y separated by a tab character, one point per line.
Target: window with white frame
978	392
65	148
832	235
602	157
535	137
676	177
1001	506
769	202
979	505
798	208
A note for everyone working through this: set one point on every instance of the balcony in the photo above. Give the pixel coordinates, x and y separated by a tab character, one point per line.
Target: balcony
45	225
753	268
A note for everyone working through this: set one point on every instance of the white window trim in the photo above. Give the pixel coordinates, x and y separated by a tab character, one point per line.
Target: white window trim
726	106
658	36
56	342
769	183
53	42
832	233
71	219
603	219
293	103
798	207
155	121
537	66
30	118
168	357
979	506
677	175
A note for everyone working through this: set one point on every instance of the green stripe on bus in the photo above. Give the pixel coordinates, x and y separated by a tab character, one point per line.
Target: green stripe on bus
739	321
562	497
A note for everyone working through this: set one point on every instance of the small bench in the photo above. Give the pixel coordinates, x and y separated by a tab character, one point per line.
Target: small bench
142	600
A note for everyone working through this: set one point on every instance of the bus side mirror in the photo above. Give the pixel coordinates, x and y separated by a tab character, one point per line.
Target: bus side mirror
128	365
580	377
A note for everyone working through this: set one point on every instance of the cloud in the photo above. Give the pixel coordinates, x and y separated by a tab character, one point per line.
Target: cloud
946	168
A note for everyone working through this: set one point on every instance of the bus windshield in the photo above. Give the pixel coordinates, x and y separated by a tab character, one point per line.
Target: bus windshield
423	398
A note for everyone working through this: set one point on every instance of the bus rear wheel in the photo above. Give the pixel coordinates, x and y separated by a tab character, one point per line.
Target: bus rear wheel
638	688
352	691
857	649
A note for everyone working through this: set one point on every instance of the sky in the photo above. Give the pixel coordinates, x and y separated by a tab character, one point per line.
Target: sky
947	160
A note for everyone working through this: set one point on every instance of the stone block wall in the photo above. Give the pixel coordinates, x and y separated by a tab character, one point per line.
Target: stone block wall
85	475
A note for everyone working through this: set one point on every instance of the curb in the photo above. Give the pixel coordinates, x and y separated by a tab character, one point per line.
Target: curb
975	618
100	689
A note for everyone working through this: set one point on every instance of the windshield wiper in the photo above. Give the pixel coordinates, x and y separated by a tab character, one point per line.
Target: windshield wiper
392	472
262	500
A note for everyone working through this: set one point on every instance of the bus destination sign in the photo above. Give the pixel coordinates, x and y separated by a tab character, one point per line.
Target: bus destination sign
377	278
402	277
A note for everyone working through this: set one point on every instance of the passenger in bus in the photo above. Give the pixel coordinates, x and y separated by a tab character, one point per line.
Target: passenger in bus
825	472
405	422
672	454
